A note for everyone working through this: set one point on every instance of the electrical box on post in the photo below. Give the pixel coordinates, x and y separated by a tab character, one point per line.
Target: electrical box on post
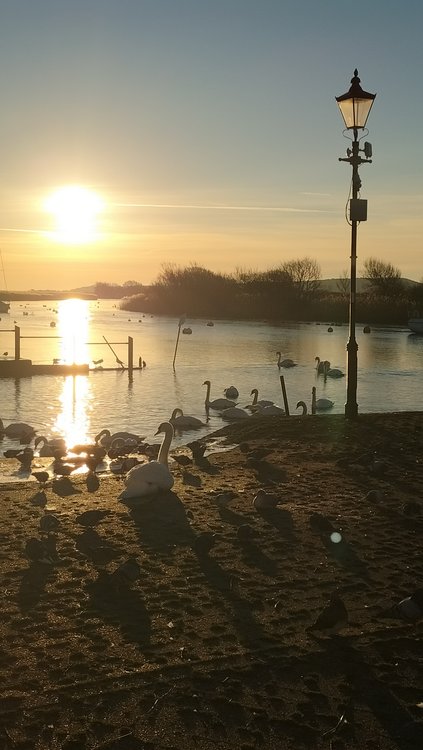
358	209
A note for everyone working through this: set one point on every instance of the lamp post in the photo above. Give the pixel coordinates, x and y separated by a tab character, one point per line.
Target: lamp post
355	107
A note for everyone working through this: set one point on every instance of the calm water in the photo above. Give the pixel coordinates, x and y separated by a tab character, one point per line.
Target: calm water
228	353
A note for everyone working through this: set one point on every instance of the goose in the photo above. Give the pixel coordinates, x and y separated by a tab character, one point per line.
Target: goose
319	404
219	403
258	403
234	413
231	392
53	447
183	421
333	372
153	477
17	431
285	362
303	405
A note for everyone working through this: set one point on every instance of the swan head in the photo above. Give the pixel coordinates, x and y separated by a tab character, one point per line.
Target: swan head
165	427
207	382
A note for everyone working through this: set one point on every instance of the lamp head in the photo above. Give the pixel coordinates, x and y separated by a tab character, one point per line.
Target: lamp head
355	105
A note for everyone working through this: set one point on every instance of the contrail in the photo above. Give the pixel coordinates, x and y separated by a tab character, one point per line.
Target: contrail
222	208
30	231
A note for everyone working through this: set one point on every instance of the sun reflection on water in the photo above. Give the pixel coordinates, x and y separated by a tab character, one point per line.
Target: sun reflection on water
73	323
73	419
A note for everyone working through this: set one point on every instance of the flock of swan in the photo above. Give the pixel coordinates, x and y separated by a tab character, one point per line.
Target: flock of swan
144	479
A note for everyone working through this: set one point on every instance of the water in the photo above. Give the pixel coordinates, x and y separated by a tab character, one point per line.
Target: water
227	353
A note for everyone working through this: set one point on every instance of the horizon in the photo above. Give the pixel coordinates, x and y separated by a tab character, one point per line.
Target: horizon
176	132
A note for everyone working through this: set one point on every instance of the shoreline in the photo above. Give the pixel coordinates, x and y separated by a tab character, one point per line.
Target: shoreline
212	648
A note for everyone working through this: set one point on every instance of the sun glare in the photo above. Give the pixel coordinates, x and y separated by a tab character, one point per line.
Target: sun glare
74	210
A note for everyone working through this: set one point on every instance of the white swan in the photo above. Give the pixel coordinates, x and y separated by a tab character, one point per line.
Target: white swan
333	372
321	365
234	413
269	411
219	403
231	392
303	405
285	362
258	403
105	438
17	431
152	477
183	421
52	447
319	404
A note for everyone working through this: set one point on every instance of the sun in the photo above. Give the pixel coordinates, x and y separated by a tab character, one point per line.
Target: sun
75	210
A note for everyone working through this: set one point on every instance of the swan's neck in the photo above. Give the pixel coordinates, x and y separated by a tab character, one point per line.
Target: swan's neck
279	357
255	396
162	458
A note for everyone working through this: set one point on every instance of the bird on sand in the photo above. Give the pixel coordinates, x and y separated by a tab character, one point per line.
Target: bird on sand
332	618
25	459
49	523
42	477
37	551
92	481
90	518
204	542
264	500
410	608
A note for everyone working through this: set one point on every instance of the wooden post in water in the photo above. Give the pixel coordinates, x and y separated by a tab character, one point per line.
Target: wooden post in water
17	343
181	322
285	398
130	358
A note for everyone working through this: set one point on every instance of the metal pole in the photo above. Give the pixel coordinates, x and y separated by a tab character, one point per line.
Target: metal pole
351	407
181	322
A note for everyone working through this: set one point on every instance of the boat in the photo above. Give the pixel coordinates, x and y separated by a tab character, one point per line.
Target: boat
4	306
416	325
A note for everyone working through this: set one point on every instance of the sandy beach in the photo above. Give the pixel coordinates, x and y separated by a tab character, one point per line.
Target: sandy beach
210	645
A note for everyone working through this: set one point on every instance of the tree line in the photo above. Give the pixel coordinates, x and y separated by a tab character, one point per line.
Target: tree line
290	291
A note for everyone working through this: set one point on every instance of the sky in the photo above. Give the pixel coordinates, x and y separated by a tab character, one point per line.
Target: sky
209	132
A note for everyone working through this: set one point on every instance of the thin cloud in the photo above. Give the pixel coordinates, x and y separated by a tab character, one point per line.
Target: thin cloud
282	209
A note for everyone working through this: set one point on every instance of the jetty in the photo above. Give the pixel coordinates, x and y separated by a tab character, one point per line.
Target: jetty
18	367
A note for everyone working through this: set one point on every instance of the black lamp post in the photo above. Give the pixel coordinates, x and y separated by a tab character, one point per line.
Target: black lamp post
355	107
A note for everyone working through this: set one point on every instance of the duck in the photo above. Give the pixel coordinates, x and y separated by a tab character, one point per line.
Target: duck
258	403
302	405
320	404
17	431
285	362
182	421
218	403
152	477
